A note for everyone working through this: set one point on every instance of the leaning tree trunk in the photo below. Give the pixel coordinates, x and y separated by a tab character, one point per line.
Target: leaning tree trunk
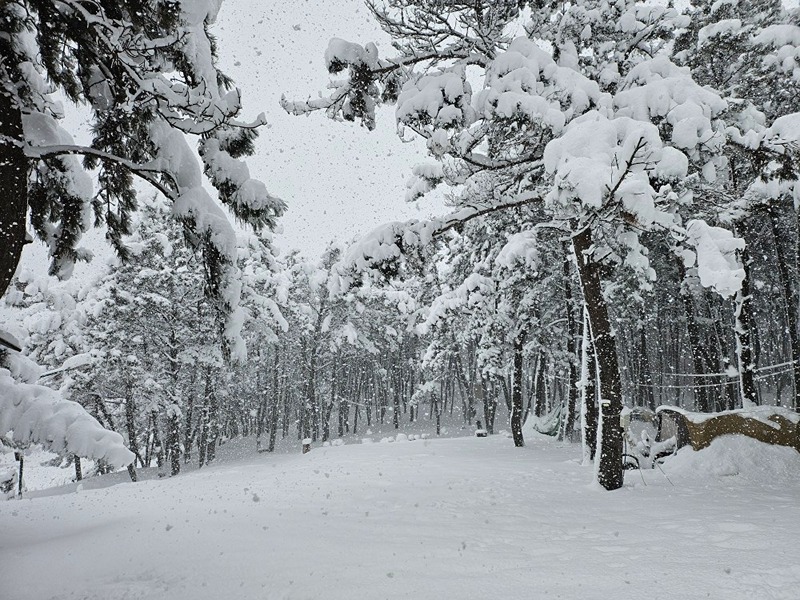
13	190
609	473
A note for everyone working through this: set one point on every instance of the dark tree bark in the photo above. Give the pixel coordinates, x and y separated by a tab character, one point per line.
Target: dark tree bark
789	290
692	328
213	428
516	392
174	442
438	412
589	392
130	424
13	190
540	406
572	353
188	432
610	471
273	409
21	460
327	410
744	335
396	402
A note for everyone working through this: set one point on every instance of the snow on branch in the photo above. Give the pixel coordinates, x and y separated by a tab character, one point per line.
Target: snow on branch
717	263
36	414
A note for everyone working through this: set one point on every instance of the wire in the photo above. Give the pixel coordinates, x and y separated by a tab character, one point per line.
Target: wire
725	374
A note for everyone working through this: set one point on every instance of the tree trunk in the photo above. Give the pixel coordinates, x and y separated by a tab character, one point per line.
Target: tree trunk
326	417
213	429
610	473
789	289
174	440
188	439
588	391
700	392
396	403
438	411
13	190
516	392
205	421
648	398
273	409
130	424
743	327
568	424
540	406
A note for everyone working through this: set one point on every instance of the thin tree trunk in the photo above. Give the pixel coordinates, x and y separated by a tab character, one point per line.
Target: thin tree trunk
540	407
130	424
700	392
174	439
588	391
743	313
572	353
789	289
273	409
516	392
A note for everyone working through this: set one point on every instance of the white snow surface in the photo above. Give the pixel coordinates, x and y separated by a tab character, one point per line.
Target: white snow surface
438	518
736	455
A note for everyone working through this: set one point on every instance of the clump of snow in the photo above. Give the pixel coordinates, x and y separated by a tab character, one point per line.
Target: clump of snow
341	53
723	27
737	455
38	414
442	98
520	248
717	264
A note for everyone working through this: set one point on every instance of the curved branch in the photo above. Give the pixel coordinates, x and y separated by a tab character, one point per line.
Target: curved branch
148	173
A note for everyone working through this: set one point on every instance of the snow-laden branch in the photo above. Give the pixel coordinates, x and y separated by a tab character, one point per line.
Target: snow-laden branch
36	414
147	172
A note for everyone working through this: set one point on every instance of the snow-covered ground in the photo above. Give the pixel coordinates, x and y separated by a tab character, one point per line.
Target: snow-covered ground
438	518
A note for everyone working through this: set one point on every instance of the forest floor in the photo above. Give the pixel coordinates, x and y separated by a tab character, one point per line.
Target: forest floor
447	519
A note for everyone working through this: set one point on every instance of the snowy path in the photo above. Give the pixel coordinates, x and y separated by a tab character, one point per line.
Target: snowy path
457	518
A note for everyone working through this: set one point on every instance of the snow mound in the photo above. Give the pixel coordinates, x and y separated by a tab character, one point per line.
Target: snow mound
737	455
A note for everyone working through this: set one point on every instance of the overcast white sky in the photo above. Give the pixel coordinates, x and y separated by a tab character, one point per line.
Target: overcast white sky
339	179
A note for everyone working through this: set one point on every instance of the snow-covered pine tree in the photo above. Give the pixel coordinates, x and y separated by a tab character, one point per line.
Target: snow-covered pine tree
750	52
604	132
146	69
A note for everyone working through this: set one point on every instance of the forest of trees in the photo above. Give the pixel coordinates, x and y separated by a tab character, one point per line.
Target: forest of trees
624	227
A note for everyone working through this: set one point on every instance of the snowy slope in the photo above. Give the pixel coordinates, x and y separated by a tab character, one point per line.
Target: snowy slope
455	518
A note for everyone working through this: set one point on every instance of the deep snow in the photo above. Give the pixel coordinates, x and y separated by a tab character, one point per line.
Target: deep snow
439	518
